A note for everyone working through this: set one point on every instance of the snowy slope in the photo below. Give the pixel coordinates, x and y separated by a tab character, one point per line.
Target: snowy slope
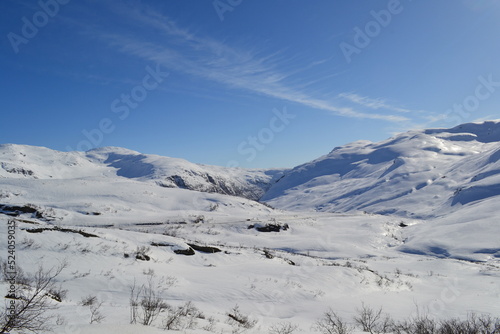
418	174
18	161
433	243
322	260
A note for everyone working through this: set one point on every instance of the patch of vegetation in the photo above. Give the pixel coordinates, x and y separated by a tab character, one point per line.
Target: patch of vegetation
149	224
269	255
240	321
283	328
199	219
274	227
61	229
374	321
142	253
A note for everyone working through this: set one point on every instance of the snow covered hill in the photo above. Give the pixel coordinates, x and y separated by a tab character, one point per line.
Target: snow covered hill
18	161
428	236
419	174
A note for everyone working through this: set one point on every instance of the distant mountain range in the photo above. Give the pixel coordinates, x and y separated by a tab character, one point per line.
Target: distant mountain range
410	221
417	174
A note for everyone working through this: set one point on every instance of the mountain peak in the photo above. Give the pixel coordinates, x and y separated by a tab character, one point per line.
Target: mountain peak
429	167
437	168
485	132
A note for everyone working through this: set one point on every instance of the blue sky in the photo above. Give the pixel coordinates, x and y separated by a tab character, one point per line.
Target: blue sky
250	83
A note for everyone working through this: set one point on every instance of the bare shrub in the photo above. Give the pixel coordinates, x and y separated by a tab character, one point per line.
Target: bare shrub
372	321
239	321
421	324
199	219
210	327
182	317
29	310
95	308
474	324
367	318
57	293
95	312
29	243
331	323
147	301
424	325
142	253
485	323
283	328
88	300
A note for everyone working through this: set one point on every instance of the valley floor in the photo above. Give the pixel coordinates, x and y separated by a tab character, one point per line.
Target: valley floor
316	261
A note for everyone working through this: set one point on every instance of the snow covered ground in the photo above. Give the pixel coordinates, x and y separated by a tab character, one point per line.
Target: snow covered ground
430	241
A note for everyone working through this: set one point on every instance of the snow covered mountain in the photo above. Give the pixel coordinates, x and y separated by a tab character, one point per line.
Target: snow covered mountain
18	161
417	174
428	236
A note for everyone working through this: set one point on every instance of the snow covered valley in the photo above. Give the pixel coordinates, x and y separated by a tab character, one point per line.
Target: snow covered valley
409	224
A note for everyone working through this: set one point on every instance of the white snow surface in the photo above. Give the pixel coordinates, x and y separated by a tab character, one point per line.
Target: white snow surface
417	174
428	236
20	161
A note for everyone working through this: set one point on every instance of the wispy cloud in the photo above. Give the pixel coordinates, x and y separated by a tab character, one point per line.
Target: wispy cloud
202	57
376	104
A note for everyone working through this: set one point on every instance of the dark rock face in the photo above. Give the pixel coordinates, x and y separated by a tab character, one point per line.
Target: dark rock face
204	249
22	171
15	210
178	181
187	252
215	184
270	227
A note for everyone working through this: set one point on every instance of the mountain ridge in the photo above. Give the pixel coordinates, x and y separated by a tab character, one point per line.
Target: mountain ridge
441	168
108	208
40	163
421	166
